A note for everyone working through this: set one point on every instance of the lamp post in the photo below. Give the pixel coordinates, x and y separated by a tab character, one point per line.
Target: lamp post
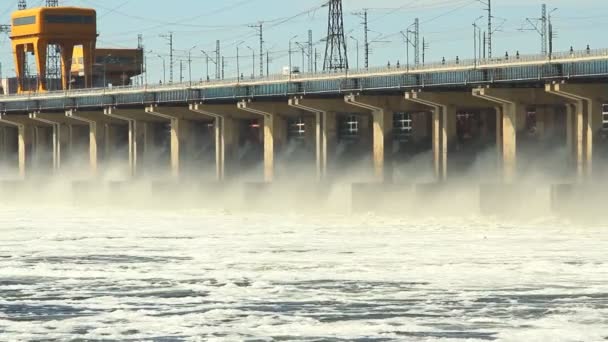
290	68
253	61
164	68
357	41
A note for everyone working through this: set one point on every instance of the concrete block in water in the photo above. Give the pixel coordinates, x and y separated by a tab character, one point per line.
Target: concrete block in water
380	196
578	199
284	194
429	190
498	199
12	190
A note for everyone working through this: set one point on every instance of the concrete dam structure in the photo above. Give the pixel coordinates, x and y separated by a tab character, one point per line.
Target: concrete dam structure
388	131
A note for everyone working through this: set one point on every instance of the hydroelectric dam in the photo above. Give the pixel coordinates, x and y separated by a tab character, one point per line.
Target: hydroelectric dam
312	128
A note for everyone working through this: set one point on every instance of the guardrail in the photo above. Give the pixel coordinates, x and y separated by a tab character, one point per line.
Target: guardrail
444	65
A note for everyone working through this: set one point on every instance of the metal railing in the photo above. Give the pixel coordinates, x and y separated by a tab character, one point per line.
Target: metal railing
447	65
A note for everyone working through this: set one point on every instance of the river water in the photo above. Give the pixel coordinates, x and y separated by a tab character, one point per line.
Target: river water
111	274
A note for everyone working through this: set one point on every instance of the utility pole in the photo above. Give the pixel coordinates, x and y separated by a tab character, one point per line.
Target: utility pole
169	38
22	5
489	28
223	67
303	51
214	61
540	25
551	33
181	71
310	52
485	41
425	47
544	29
364	16
336	57
217	60
417	42
260	28
267	63
140	47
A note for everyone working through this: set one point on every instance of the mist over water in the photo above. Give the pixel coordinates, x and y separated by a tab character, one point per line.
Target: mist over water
150	259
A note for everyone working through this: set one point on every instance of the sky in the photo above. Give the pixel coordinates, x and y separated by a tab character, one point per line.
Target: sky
446	26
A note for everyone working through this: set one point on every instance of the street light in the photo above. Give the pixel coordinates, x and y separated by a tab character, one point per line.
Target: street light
357	41
290	40
164	68
253	61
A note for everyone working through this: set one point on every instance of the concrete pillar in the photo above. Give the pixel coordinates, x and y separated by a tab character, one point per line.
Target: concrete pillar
225	135
382	134
443	128
24	139
499	114
270	131
55	140
587	103
175	138
134	137
326	134
95	137
570	133
3	144
383	144
512	112
181	130
275	130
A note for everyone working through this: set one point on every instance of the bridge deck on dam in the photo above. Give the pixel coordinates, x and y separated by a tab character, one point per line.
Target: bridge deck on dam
586	65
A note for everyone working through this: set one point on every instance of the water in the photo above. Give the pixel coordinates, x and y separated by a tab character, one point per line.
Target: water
130	275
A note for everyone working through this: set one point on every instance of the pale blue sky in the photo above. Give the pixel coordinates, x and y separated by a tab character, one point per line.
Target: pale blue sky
446	24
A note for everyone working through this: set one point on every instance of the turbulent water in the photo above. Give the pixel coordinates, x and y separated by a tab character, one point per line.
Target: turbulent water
129	275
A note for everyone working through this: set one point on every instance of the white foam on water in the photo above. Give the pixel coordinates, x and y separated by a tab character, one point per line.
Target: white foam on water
198	275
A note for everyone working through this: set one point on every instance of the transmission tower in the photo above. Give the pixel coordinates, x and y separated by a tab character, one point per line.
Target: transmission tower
22	5
53	68
336	57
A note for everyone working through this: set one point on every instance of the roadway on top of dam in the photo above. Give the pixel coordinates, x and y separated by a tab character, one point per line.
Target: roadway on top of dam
519	70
